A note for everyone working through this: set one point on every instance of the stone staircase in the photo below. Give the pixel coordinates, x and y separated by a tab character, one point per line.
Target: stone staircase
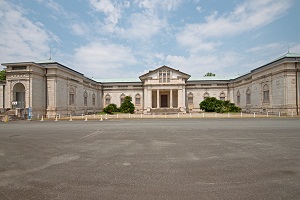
165	110
10	114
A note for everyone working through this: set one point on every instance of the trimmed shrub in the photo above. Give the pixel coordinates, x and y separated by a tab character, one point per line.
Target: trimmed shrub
109	109
211	104
127	106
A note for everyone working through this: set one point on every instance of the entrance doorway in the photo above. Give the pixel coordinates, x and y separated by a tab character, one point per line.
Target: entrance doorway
19	95
164	100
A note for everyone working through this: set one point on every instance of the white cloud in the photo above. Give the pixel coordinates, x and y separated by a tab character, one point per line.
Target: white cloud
199	9
159	4
245	17
56	8
200	65
294	48
79	29
103	59
265	48
111	9
21	39
142	26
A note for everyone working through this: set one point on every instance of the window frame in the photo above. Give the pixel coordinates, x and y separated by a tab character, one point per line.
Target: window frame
266	94
248	96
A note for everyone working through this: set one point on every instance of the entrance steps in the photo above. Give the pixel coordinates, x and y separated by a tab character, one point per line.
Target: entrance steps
11	114
164	110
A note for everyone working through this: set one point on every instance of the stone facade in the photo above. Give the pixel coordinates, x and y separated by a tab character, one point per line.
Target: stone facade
50	88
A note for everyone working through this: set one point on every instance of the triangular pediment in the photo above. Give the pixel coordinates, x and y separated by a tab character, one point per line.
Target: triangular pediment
153	73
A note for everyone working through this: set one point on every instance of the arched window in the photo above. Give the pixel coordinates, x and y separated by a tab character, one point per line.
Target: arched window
248	96
94	99
107	99
137	99
266	94
122	98
71	96
222	96
164	76
206	95
190	98
238	98
85	96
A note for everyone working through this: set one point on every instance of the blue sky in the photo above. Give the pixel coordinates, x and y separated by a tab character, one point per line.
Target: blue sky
125	39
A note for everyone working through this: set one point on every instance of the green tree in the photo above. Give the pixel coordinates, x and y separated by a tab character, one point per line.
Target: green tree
210	74
2	75
109	109
211	104
127	106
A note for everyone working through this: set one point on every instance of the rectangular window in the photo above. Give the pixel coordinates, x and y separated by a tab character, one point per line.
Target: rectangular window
85	101
190	100
266	98
137	101
71	99
19	68
107	101
238	100
248	98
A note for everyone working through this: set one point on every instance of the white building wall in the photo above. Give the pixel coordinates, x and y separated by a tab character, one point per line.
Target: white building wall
2	94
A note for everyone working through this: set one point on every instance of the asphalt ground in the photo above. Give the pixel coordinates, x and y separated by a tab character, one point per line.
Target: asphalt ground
249	158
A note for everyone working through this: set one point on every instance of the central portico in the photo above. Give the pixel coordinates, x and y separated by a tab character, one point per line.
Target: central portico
164	90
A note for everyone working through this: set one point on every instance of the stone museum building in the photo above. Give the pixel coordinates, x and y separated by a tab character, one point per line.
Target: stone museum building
50	88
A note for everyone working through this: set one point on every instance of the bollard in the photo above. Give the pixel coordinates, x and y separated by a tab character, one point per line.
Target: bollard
81	116
254	114
71	118
279	114
42	119
6	118
58	116
190	115
101	119
105	116
178	115
267	113
241	114
85	118
55	118
203	115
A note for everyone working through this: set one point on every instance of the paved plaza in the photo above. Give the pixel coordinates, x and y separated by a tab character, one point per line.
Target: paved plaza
216	158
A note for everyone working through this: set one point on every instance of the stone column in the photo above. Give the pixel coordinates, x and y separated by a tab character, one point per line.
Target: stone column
171	98
157	98
180	98
183	98
149	98
145	98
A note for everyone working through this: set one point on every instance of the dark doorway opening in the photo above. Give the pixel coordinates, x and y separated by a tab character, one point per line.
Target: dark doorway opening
164	101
